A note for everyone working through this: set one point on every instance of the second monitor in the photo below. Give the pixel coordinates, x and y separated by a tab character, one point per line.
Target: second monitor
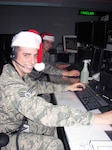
70	43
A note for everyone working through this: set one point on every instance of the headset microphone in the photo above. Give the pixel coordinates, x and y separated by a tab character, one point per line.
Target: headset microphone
19	64
13	56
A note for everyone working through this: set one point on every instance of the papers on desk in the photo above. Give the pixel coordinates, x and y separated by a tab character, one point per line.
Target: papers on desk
101	145
79	138
95	145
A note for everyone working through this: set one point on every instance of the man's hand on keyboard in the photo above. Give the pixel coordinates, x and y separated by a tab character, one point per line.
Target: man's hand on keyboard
76	87
103	118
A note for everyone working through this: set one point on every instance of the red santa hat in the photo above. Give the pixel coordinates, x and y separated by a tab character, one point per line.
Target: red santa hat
48	36
39	66
30	38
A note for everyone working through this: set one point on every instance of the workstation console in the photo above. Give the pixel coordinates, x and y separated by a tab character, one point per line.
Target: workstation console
83	137
78	137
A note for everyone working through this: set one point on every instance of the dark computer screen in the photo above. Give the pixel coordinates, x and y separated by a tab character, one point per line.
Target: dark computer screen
94	54
83	30
92	33
84	54
107	61
106	74
96	60
99	34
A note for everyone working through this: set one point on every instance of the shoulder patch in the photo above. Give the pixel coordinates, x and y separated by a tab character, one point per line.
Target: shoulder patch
25	93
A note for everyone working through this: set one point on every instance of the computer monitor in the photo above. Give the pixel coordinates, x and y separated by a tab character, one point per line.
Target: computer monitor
92	33
70	43
96	60
107	61
83	31
94	54
100	34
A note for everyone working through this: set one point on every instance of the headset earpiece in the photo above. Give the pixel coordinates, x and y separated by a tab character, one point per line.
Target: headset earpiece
13	54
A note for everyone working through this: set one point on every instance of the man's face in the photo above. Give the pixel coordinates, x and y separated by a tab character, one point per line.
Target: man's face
47	45
26	57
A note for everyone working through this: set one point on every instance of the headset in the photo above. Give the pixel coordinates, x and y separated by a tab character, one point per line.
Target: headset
13	54
13	57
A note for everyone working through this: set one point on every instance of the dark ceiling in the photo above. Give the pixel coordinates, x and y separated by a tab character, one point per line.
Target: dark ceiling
84	4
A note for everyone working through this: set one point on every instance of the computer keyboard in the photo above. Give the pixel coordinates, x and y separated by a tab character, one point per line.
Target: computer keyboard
90	99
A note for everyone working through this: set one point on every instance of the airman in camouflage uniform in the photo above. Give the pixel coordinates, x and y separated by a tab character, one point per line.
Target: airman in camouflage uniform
50	68
19	97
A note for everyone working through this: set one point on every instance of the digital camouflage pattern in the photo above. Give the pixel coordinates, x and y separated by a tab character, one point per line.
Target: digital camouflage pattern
49	68
19	97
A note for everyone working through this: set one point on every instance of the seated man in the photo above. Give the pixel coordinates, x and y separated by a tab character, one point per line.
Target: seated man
19	99
50	68
47	43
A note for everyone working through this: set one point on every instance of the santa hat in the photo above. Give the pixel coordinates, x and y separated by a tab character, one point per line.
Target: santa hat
30	39
48	36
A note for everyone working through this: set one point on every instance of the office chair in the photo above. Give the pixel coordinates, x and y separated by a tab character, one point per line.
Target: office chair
4	140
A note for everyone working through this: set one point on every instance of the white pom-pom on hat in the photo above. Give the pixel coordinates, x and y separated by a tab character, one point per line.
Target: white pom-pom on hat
39	66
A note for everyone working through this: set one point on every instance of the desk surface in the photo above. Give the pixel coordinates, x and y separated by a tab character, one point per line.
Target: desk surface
80	137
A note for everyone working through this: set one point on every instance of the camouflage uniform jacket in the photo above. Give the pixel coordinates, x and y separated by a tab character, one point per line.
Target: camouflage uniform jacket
19	97
50	68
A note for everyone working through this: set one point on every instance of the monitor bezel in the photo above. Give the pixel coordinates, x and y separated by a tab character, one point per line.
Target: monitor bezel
64	44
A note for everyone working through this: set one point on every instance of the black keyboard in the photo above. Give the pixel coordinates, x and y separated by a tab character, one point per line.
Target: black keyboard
90	99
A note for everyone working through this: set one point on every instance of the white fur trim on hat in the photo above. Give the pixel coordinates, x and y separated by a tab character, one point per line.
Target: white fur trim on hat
48	37
39	66
26	39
